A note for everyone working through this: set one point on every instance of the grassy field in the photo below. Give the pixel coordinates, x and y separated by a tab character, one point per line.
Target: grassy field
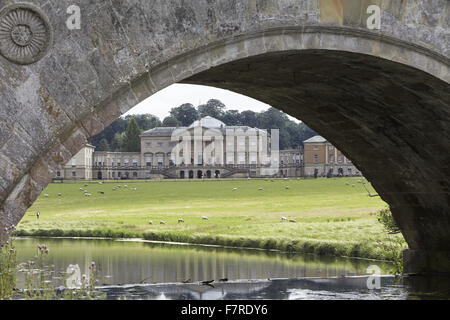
332	216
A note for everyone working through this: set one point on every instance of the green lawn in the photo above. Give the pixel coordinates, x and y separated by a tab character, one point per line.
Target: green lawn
332	215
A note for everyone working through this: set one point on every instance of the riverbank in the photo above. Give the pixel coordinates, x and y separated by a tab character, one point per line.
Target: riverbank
366	250
328	216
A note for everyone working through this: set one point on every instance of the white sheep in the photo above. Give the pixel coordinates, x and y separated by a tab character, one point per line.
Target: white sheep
180	220
46	195
235	189
283	218
260	189
150	222
205	218
162	222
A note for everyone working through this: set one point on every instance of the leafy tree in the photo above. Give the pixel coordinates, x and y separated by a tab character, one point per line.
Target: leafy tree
145	121
249	118
186	114
170	122
132	137
232	118
213	108
103	145
116	144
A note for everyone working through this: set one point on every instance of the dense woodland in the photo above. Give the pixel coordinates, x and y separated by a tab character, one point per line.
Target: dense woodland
123	134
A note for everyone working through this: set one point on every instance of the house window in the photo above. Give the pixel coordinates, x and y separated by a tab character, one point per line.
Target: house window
340	158
330	148
135	174
74	162
148	144
331	158
316	158
74	173
316	147
58	174
135	163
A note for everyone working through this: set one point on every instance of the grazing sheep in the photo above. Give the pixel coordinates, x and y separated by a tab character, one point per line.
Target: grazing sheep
81	189
100	182
292	220
235	189
287	188
59	194
134	189
101	192
125	186
347	183
180	221
46	195
85	185
284	218
162	222
150	222
205	218
260	189
353	185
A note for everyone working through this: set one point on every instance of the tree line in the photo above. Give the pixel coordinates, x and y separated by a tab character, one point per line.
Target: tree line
123	135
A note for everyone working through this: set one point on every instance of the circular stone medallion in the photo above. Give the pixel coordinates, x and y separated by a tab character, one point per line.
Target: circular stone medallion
25	33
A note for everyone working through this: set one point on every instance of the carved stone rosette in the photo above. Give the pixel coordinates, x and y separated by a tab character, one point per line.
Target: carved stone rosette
25	33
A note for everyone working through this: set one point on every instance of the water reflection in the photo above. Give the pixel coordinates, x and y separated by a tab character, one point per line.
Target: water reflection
125	262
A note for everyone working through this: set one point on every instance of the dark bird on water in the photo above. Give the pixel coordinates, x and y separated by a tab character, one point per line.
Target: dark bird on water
208	283
223	280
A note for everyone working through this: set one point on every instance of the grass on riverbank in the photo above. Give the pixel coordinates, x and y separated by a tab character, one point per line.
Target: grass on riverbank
332	216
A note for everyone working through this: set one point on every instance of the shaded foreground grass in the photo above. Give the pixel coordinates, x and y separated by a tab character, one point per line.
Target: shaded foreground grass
332	216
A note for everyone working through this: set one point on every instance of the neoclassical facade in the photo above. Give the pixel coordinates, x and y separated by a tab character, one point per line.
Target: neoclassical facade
209	149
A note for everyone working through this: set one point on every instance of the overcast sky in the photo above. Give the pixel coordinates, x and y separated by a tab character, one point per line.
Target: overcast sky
163	101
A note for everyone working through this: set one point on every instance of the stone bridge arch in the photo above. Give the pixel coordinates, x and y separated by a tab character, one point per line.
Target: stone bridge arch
381	96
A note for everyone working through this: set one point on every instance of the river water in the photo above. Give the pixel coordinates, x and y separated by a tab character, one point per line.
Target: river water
149	270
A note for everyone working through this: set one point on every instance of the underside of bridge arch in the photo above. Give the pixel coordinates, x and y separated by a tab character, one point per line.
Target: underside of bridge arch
390	119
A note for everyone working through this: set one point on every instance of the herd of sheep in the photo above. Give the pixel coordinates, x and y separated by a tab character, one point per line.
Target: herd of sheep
87	194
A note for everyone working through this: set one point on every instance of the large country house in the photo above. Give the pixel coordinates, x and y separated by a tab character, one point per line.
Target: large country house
209	149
